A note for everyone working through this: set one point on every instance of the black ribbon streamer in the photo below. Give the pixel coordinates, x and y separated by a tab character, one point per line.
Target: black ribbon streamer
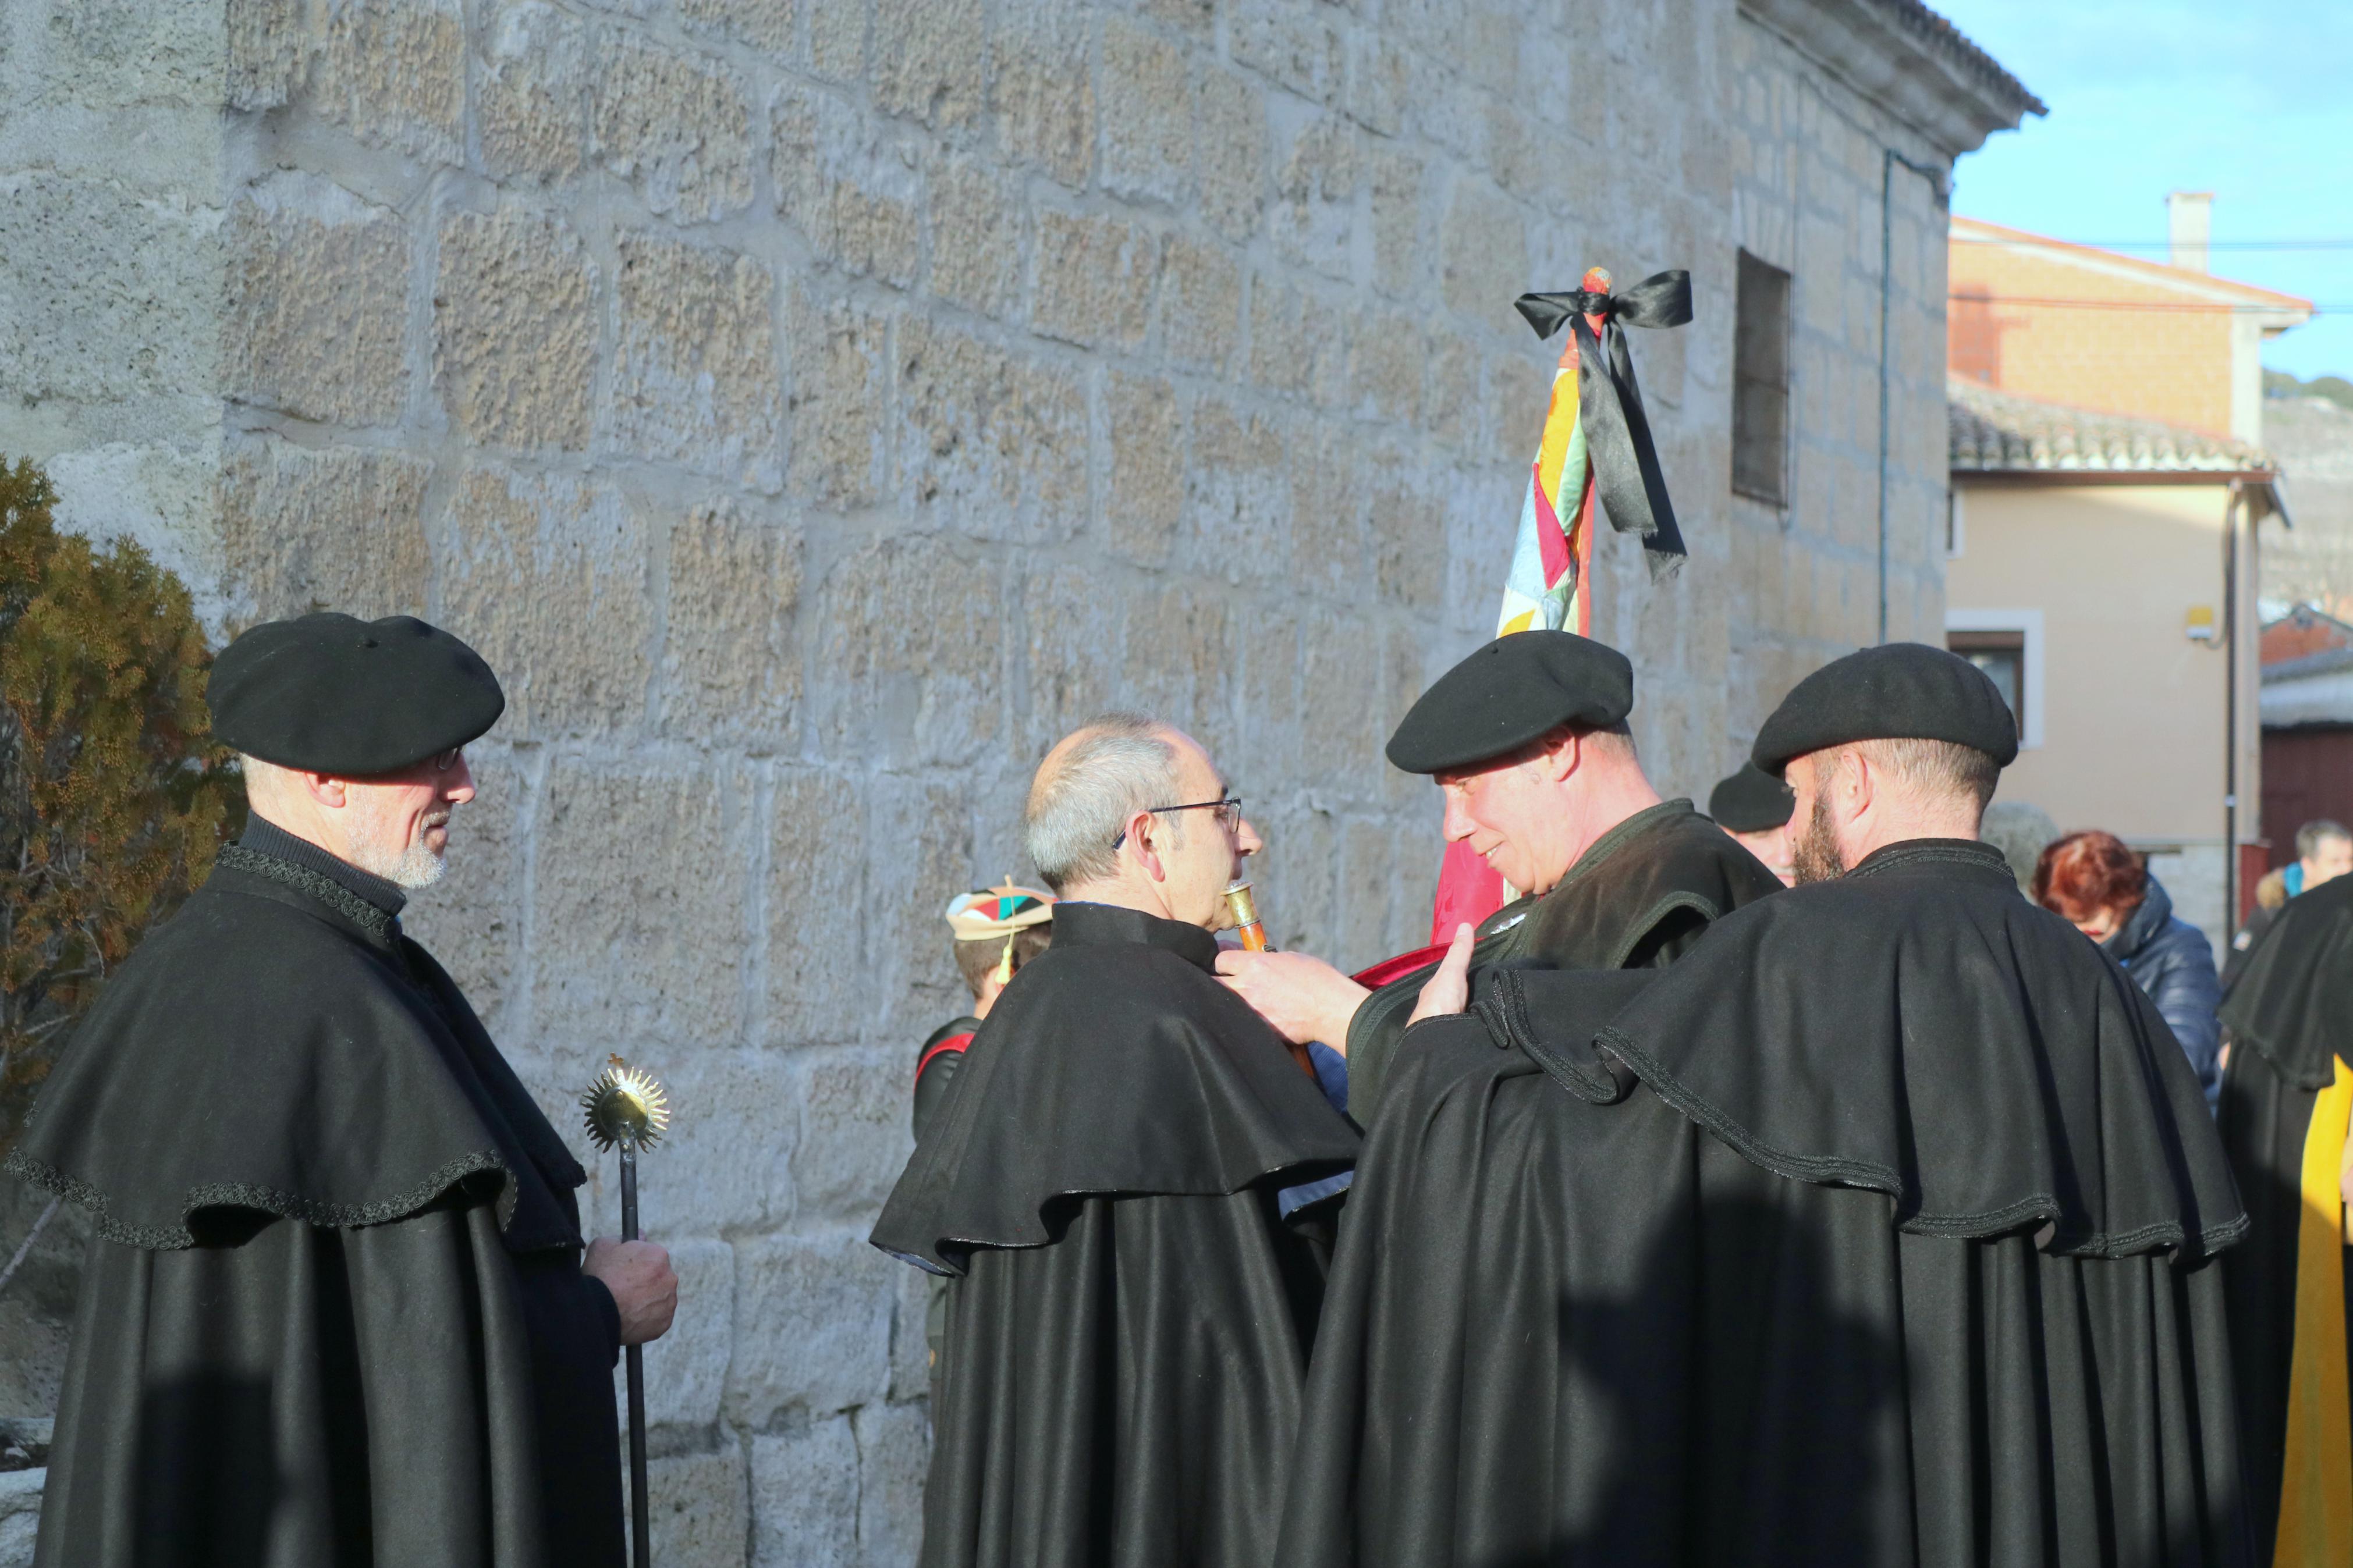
1617	432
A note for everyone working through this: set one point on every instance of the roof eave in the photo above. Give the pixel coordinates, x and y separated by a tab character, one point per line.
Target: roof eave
1954	100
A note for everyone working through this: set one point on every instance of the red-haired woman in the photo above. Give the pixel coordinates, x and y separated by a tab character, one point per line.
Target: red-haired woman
2095	880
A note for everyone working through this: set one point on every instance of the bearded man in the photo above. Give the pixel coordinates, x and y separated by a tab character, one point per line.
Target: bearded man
1880	1228
1526	739
336	1311
1133	1179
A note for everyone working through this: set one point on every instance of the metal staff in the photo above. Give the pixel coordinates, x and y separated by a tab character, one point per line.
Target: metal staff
628	1110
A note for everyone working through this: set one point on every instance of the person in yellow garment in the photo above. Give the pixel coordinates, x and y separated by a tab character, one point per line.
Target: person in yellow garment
2287	1092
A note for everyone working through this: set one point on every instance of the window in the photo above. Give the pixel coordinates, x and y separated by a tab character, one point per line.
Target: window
1760	382
2007	645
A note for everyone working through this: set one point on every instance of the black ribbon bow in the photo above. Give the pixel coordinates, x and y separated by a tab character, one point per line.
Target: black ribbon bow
1617	432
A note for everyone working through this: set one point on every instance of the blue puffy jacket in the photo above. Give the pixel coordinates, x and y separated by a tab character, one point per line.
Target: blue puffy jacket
2172	962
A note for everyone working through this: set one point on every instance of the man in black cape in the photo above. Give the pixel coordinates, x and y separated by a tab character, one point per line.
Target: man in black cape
2286	1094
1527	740
336	1311
1130	1177
1877	1230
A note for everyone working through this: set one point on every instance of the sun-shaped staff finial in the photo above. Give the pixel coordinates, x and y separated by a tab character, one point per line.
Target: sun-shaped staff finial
626	1107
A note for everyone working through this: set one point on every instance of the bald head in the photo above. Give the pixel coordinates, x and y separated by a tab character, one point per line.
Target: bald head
1094	779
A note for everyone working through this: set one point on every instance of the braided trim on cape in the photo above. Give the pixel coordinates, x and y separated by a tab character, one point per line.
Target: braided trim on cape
267	1200
302	880
1822	1170
1504	1010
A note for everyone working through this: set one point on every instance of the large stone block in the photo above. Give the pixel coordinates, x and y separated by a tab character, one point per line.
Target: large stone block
1200	303
804	1496
640	891
1180	662
1041	89
840	377
1291	43
1147	465
1148	144
1094	280
979	217
1387	355
265	42
102	56
1484	261
836	40
695	376
547	575
913	632
514	326
1340	703
318	302
855	192
1231	160
854	1138
812	1326
726	1165
1327	505
929	55
923	837
1378	77
911	1350
731	665
701	1513
679	127
814	906
392	73
322	528
1297	342
999	441
763	25
106	294
1314	219
1409	536
1396	178
1074	626
471	920
686	1369
894	1451
1239	505
530	91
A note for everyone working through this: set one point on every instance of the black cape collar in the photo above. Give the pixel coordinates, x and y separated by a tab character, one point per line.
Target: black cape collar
1079	924
1918	1029
1596	854
264	838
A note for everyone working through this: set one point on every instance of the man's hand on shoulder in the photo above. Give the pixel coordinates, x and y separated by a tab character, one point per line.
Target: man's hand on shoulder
1448	990
639	1275
1304	998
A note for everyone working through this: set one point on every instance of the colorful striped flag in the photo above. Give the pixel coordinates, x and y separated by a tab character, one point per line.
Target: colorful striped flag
1554	553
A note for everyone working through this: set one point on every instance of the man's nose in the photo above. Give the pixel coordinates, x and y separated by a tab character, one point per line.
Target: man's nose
1457	824
1246	839
457	783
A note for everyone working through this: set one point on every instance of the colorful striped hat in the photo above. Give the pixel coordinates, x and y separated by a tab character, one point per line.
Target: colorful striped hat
999	911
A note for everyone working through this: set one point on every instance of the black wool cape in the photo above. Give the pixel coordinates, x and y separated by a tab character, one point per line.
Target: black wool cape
1637	899
2290	1016
1877	1230
333	1313
1127	1179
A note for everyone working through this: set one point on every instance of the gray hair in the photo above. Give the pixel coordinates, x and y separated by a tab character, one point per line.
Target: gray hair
1117	764
2315	832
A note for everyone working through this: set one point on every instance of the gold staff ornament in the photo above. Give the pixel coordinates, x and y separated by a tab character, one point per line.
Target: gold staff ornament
626	1107
628	1111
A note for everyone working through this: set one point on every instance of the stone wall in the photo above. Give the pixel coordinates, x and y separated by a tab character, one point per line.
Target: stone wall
813	408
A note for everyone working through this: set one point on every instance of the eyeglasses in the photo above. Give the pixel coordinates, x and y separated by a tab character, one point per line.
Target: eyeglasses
1229	810
447	760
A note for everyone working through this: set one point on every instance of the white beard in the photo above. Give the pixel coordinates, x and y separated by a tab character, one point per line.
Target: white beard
414	865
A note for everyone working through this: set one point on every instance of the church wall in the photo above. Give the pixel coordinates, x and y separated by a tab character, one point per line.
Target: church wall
812	410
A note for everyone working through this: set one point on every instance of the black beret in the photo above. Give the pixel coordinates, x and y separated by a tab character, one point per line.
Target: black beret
1897	691
334	694
1751	801
1508	693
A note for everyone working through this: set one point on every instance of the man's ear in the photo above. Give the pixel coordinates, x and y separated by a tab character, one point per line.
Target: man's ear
1140	830
1561	756
325	789
1858	778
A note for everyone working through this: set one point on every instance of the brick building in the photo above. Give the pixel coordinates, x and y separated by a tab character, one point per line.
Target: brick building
2109	496
812	409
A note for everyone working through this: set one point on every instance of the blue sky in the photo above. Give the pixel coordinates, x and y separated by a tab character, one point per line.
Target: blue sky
2250	99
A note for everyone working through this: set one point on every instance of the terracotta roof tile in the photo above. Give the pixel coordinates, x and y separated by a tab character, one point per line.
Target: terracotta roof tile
1994	432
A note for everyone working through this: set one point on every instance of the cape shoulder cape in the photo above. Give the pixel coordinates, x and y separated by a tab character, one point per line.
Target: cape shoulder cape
2294	999
1638	896
1115	1064
1918	1029
1568	1324
276	1047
